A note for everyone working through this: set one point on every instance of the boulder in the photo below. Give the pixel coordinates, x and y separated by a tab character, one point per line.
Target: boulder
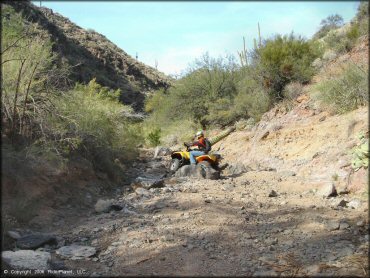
190	171
202	171
27	259
76	252
209	173
35	241
236	169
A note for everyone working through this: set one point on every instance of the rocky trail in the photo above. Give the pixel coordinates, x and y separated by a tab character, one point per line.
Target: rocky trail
244	224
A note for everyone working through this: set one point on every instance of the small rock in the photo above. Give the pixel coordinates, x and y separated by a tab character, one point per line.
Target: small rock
143	192
355	204
360	223
27	259
287	174
312	269
333	225
272	194
115	207
323	118
343	225
328	190
147	183
265	273
342	203
103	206
76	251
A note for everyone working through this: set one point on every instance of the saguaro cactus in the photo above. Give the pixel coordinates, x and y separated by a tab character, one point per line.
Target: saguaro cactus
243	55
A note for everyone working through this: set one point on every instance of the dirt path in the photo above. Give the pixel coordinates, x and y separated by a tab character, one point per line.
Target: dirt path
225	227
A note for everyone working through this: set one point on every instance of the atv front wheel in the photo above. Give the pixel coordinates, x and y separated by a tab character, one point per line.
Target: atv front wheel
175	165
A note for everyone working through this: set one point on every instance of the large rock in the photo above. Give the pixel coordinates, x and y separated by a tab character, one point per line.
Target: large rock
26	259
147	183
161	151
201	171
190	171
35	241
76	252
236	169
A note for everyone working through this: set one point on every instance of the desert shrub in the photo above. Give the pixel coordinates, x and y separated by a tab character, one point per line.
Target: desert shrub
345	92
292	90
332	22
341	42
201	95
345	40
362	18
284	59
88	118
29	75
252	100
252	104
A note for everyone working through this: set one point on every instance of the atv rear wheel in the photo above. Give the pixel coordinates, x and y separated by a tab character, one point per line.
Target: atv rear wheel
175	165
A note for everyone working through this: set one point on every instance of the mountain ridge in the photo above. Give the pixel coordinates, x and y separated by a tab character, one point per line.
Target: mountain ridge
92	55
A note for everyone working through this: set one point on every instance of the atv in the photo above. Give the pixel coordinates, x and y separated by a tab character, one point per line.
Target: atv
181	158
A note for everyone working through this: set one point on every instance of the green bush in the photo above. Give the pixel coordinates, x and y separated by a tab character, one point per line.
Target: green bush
252	100
341	42
345	92
201	95
154	137
90	117
284	59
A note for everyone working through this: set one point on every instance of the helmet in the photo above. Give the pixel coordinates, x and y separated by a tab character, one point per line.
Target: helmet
199	134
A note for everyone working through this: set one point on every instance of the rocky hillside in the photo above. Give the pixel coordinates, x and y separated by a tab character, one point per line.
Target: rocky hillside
91	55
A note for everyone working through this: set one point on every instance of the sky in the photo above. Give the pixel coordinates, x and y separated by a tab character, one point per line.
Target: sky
174	34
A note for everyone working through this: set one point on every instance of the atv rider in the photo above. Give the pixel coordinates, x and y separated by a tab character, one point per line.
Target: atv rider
204	146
